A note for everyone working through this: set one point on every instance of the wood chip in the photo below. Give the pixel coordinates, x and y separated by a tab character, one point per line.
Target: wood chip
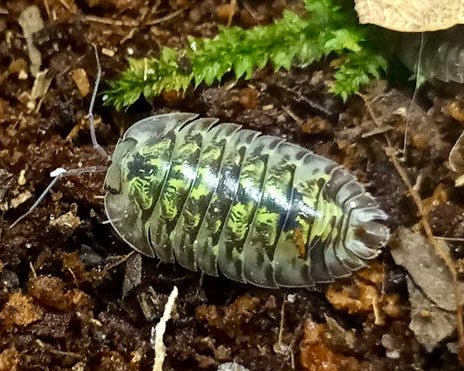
79	77
108	52
31	22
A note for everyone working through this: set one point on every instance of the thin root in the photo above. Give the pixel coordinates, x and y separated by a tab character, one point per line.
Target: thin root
158	331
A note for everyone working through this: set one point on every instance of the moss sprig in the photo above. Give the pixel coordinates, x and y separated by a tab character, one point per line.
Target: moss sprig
329	27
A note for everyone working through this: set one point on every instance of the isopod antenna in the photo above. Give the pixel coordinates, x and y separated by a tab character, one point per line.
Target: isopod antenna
60	172
90	115
57	174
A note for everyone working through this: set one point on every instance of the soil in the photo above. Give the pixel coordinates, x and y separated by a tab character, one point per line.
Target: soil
74	296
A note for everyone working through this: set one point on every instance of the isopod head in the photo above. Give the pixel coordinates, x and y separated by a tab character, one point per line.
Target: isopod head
223	199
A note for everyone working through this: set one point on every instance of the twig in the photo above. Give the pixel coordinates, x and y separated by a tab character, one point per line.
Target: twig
233	5
378	320
293	115
132	22
438	245
122	259
301	98
165	18
47	10
110	21
281	326
67	6
157	333
454	239
253	13
289	352
50	349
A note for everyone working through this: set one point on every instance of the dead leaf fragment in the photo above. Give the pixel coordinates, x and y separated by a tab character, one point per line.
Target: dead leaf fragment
429	323
355	299
316	125
17	66
231	319
248	97
231	366
428	271
411	15
456	110
133	274
20	199
339	337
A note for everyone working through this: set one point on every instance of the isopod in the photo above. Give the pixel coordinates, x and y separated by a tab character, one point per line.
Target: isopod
442	55
225	200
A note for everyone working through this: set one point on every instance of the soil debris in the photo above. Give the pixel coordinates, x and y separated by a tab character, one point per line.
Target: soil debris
231	366
316	354
66	301
363	296
230	319
20	310
51	292
9	360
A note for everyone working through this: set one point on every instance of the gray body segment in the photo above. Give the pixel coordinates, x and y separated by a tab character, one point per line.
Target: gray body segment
255	208
442	55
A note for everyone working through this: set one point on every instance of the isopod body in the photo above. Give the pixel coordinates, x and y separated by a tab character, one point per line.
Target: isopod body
442	55
223	199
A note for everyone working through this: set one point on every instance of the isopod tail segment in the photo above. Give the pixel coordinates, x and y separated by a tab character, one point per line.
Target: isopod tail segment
226	200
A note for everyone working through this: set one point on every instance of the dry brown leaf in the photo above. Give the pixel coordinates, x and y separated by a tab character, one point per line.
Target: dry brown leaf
411	15
414	252
429	323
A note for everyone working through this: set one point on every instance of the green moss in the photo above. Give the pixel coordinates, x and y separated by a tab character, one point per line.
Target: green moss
328	27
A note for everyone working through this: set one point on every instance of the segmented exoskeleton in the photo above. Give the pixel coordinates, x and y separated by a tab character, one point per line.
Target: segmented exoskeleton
442	55
227	200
